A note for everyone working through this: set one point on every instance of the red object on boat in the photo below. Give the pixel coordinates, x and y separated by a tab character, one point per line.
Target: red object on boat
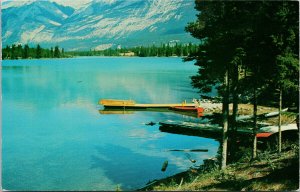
200	109
263	135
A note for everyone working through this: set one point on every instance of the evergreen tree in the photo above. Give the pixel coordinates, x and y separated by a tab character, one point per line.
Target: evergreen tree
178	50
253	37
19	51
6	53
13	52
286	42
38	52
56	52
26	51
51	52
213	57
274	51
168	51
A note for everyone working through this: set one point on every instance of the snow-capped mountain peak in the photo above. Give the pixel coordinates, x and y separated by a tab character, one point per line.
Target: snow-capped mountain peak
92	24
13	3
76	4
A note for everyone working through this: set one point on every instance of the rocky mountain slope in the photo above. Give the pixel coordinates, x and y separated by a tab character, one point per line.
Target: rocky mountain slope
97	24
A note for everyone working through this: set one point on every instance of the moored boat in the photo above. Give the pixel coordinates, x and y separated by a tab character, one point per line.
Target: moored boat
198	110
188	109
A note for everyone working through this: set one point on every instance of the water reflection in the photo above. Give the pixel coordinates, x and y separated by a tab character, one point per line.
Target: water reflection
67	82
55	137
122	164
107	111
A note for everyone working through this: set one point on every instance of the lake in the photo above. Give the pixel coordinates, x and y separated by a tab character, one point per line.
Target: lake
55	138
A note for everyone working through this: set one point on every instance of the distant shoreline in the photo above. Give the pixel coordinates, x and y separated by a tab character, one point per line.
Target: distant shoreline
91	57
165	50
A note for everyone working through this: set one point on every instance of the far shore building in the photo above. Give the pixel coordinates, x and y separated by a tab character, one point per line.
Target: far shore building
127	54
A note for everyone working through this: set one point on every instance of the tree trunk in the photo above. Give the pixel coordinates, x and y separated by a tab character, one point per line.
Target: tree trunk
297	120
225	121
254	152
235	101
279	120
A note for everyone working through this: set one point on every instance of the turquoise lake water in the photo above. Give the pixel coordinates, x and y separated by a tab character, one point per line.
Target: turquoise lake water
54	138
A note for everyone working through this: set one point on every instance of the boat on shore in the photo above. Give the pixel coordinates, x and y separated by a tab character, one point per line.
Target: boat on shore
267	131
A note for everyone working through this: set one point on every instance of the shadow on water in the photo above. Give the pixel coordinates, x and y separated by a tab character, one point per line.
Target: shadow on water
121	165
191	132
107	111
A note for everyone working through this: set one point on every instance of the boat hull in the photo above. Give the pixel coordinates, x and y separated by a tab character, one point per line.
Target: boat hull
188	109
198	110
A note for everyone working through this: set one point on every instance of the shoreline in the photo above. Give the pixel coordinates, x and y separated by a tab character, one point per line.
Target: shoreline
279	173
187	180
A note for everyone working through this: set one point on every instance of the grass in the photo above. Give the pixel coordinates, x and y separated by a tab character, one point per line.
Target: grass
247	109
270	171
286	118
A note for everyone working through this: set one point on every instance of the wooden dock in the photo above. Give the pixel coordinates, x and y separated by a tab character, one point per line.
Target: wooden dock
111	103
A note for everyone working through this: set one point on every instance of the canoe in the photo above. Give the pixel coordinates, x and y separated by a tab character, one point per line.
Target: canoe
274	128
267	131
263	135
261	116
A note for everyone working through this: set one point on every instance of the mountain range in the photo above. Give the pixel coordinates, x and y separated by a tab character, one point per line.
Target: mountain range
96	24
